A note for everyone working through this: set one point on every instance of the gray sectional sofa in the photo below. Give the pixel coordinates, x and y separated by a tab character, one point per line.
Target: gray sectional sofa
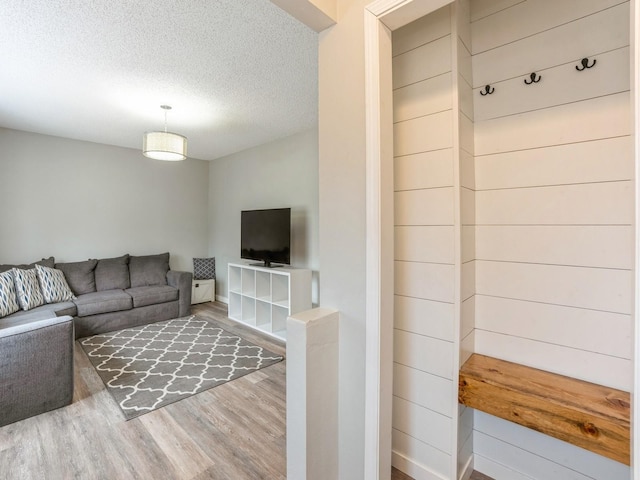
36	345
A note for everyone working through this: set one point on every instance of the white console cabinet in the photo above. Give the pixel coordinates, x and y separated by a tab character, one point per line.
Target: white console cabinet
263	298
203	291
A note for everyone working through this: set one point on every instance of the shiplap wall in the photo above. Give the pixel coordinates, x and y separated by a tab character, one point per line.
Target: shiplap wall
465	235
427	260
554	208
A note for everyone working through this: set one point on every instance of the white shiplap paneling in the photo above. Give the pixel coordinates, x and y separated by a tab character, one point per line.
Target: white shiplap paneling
424	244
598	118
530	18
411	67
585	162
419	459
423	134
424	170
430	281
557	85
592	367
608	290
424	317
409	418
484	8
424	30
424	207
548	451
606	246
609	203
426	354
554	208
421	98
426	390
585	37
578	328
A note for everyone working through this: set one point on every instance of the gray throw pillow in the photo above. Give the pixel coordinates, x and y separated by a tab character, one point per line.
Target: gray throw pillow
204	268
112	273
45	262
80	275
149	270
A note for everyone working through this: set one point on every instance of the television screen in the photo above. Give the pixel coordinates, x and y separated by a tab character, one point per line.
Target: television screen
265	235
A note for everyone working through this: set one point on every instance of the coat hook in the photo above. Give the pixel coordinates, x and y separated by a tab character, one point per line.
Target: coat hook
533	79
488	90
585	64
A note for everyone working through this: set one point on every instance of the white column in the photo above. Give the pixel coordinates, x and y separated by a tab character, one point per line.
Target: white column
312	395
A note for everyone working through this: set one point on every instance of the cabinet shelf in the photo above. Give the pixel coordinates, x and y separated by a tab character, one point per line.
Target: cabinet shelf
263	298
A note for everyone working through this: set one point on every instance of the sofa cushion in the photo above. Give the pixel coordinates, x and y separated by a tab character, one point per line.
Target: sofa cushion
27	288
112	273
53	285
80	275
45	262
8	301
106	301
143	296
149	270
49	310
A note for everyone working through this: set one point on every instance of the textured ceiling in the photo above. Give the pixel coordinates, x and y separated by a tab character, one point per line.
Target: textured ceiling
238	73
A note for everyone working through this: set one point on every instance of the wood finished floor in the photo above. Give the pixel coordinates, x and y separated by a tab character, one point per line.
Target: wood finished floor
235	431
398	475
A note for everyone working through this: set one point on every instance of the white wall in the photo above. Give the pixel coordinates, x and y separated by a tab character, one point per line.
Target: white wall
434	248
546	212
424	406
554	213
283	173
77	200
342	216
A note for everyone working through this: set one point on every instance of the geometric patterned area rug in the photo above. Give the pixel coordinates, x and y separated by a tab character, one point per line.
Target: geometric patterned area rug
148	367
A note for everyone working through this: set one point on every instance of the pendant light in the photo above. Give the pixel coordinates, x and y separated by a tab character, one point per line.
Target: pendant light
164	145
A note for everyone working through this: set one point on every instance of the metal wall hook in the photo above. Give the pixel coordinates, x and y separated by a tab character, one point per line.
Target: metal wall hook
488	90
585	64
533	78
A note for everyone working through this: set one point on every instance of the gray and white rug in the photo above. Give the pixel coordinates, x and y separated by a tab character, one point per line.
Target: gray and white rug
151	366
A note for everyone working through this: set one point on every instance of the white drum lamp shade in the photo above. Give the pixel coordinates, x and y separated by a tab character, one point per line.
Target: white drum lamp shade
164	146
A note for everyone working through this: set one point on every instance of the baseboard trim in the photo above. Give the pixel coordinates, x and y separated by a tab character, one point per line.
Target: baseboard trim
222	299
496	470
413	468
467	470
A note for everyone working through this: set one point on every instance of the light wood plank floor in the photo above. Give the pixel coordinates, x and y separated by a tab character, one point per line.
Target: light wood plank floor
398	475
235	431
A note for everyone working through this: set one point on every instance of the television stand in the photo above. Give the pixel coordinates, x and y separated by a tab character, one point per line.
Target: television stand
263	298
266	265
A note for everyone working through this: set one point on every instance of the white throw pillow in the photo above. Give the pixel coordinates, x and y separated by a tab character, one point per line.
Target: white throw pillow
53	285
8	302
27	288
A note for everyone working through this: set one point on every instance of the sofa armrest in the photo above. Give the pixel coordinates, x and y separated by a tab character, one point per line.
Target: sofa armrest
36	367
182	281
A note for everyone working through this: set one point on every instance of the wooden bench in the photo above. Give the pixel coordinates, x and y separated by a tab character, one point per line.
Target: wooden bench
590	416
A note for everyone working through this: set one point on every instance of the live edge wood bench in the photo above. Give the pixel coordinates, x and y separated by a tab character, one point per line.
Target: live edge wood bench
590	416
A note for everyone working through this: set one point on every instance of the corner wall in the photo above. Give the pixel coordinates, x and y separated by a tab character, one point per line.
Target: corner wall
283	173
77	200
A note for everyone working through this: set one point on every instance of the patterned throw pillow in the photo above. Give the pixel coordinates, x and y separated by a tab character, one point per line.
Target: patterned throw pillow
27	288
8	303
204	268
53	285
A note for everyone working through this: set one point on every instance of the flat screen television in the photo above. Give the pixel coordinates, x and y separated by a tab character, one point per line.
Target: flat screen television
265	235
